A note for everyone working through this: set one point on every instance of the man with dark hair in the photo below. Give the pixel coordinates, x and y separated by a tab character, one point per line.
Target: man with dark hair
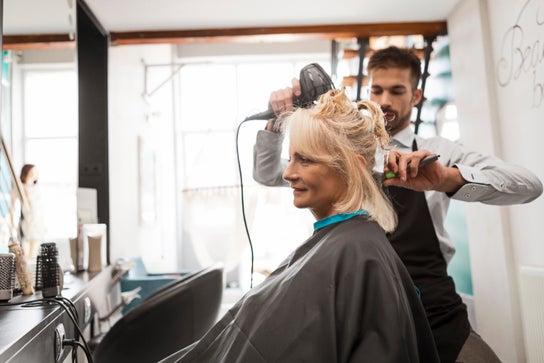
420	196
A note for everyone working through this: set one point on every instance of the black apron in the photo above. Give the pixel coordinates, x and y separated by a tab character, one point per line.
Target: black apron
417	245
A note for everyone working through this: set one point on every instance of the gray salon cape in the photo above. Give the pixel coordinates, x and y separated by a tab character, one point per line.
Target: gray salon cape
342	296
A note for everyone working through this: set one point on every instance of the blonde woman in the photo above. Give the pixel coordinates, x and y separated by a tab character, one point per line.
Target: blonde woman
343	295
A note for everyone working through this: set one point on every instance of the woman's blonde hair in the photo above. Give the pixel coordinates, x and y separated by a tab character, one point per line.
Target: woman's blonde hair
334	131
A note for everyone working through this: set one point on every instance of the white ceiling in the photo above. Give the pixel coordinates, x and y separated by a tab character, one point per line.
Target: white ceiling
58	16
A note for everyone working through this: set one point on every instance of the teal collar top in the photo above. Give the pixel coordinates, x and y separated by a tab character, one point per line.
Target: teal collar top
337	218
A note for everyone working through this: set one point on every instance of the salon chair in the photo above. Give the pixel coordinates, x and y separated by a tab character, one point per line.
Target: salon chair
171	318
139	277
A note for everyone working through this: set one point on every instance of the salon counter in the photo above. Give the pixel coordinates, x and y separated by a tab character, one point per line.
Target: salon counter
31	329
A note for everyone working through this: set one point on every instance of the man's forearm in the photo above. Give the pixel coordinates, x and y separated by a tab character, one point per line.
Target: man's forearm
268	165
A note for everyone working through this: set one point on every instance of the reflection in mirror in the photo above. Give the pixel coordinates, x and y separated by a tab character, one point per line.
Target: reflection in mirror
45	131
39	113
12	197
46	17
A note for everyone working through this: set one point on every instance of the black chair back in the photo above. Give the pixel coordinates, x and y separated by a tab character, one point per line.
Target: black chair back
173	317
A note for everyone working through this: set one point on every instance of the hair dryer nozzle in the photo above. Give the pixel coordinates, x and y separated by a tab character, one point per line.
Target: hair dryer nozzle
314	82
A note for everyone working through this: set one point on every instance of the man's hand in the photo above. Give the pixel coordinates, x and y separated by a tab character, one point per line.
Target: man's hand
282	100
433	176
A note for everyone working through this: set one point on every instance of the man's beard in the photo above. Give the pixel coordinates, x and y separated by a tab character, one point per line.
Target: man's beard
395	123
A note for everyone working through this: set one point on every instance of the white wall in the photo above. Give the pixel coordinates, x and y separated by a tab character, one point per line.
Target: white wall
507	122
516	28
130	118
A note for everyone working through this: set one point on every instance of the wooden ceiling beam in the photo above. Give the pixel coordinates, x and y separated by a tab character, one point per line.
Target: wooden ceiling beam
283	33
37	41
256	34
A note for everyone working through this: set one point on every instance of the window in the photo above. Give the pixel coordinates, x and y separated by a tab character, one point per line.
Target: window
49	135
214	100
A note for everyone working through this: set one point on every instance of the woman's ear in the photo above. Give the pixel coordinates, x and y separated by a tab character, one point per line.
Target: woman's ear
361	159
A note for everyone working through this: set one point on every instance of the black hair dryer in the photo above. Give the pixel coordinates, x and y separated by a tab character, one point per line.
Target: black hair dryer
314	81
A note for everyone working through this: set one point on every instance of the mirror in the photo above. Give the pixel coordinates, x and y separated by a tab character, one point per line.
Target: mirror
36	34
13	196
38	17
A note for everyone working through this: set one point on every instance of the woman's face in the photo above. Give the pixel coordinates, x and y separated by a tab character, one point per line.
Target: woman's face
32	177
315	184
